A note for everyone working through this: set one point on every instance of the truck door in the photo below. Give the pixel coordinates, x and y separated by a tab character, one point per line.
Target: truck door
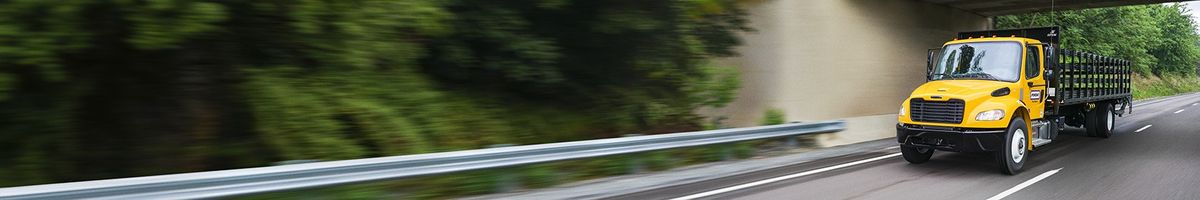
1034	86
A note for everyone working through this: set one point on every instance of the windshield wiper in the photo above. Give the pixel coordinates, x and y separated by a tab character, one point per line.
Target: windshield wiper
939	74
984	76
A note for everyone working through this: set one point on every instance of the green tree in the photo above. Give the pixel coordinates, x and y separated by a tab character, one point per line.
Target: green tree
96	89
1159	39
638	62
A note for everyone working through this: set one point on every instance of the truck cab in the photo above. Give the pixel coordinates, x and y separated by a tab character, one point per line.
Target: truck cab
995	91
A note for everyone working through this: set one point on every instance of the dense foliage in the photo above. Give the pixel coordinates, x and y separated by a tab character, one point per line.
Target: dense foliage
1160	39
95	89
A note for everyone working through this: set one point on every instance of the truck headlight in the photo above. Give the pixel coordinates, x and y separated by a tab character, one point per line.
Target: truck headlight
990	115
901	111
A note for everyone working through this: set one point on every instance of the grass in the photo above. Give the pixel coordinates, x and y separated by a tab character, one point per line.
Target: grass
1152	86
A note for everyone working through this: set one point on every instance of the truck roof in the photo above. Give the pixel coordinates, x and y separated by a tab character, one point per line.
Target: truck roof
993	39
1045	34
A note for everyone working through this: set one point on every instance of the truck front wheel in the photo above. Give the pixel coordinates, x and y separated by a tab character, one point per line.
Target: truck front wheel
1014	154
916	155
1100	121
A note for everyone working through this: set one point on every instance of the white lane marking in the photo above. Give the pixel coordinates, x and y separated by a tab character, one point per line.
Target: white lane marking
1014	189
1143	128
1179	111
777	179
1195	103
890	148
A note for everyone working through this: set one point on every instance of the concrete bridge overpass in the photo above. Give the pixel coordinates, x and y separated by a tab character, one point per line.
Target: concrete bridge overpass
1004	7
854	59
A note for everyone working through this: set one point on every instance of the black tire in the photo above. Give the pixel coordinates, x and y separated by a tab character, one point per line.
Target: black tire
916	155
1016	135
1100	121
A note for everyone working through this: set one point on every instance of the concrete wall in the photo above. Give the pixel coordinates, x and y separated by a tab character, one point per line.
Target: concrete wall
830	59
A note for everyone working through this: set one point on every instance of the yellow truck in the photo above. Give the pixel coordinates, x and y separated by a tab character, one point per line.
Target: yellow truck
1008	92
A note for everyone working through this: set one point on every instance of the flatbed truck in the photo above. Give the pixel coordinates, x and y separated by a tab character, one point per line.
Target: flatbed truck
1008	92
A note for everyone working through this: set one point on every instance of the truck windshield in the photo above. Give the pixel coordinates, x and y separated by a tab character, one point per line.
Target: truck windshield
998	61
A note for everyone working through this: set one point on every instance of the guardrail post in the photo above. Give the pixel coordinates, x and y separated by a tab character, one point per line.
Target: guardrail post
792	141
506	182
635	164
726	152
506	179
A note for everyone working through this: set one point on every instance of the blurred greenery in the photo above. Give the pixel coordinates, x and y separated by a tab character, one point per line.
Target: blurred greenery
773	116
94	89
1160	39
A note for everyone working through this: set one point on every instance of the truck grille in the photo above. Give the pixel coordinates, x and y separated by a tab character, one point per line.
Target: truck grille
936	111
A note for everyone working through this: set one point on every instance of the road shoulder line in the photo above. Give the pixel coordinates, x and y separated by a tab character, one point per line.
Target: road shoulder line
612	187
1027	183
1143	128
781	178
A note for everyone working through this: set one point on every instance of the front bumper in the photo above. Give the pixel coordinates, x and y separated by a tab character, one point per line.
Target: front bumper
950	138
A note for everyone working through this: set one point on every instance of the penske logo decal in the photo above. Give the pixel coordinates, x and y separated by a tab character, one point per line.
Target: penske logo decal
1035	95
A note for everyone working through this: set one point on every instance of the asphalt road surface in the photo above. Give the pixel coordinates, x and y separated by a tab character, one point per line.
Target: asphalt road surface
1154	154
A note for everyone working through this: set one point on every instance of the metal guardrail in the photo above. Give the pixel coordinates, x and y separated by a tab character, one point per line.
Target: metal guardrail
277	178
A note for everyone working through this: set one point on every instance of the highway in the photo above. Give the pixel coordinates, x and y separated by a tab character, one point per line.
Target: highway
1154	154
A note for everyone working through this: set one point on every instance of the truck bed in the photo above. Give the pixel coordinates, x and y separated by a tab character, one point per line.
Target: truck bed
1082	77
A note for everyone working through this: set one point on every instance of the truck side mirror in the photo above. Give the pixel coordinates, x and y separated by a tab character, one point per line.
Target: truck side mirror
1050	56
1051	59
932	54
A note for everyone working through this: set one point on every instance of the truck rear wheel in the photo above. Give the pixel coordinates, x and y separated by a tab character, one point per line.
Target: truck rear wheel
1014	153
916	155
1100	121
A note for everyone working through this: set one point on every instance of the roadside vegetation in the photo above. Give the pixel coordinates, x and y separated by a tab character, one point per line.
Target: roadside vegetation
1146	87
99	89
1160	39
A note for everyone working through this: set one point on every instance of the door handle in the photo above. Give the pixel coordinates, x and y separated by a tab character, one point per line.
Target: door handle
1029	83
